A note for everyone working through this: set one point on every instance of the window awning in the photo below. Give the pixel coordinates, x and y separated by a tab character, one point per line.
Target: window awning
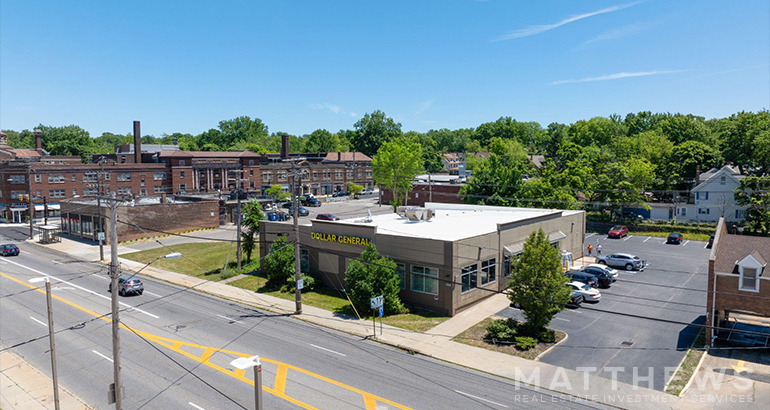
556	236
518	247
38	207
53	206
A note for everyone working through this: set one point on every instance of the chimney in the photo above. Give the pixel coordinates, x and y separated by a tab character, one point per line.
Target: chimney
339	156
284	146
137	143
38	140
175	141
3	138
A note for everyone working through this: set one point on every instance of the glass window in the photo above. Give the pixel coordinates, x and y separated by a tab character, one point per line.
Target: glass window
749	279
90	177
401	271
469	277
181	174
488	271
74	178
159	189
506	266
19	179
159	176
304	260
424	279
37	178
56	193
124	190
55	178
124	177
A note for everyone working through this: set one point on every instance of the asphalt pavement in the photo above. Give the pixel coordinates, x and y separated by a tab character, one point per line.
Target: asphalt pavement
305	365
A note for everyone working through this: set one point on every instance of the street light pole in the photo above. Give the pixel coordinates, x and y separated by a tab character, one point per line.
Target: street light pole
244	363
49	304
29	201
114	299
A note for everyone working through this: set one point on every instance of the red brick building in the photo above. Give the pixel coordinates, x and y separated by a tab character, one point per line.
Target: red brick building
738	302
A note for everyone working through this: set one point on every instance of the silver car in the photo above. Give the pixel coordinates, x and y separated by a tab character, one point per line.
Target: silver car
128	286
623	261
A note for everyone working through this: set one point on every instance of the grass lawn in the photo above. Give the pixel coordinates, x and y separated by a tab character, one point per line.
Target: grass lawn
687	369
686	236
418	320
204	260
475	337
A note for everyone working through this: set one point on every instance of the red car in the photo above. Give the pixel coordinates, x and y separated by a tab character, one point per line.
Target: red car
618	232
327	217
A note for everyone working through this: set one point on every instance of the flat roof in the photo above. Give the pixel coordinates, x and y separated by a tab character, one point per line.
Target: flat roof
454	221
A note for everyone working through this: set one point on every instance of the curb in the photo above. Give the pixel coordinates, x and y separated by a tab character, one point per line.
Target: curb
566	336
697	369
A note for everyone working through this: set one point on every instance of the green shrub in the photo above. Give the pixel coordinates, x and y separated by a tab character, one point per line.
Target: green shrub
547	337
279	263
227	274
525	342
500	331
308	283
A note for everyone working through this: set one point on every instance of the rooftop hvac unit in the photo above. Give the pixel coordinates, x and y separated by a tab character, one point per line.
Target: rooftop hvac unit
401	210
419	214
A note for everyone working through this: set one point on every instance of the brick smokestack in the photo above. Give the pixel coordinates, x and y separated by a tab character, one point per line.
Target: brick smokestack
137	143
284	146
38	140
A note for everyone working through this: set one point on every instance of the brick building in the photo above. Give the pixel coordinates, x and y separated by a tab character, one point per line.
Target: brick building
431	188
738	302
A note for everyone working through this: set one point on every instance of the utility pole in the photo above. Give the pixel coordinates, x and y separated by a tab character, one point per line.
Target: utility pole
296	174
52	344
114	273
30	206
99	193
45	211
238	187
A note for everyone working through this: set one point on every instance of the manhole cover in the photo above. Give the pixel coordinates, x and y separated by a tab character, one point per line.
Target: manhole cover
178	327
626	343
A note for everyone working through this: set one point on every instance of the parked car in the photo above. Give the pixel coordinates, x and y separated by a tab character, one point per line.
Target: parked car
622	260
339	194
366	191
128	286
301	211
612	272
575	301
586	278
618	231
277	216
9	250
604	279
588	293
327	217
711	242
674	238
286	204
311	202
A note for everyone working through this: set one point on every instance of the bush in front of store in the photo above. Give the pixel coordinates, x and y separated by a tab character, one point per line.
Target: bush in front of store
279	263
501	330
373	275
525	343
308	283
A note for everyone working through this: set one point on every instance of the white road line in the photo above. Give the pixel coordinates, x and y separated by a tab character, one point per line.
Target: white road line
82	288
323	348
590	235
195	405
628	237
482	399
648	238
706	245
39	321
685	243
230	319
153	294
559	318
103	356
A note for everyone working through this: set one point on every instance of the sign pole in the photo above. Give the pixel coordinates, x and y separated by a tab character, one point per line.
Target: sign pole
374	324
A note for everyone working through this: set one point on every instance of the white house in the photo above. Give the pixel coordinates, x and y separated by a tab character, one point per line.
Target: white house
714	198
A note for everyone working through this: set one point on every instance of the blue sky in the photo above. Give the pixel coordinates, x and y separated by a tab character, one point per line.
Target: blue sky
301	65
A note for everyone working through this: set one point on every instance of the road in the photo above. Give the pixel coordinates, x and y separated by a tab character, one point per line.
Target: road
177	355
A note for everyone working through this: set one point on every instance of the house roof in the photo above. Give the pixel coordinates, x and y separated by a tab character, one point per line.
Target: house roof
729	170
537	160
733	248
25	153
206	154
347	157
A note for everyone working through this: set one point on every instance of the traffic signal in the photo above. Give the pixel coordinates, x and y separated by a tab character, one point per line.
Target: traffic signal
21	197
24	198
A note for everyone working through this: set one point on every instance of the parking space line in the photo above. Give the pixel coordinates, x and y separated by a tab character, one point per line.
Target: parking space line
103	356
685	243
195	405
39	321
560	318
480	398
648	238
628	237
706	245
590	235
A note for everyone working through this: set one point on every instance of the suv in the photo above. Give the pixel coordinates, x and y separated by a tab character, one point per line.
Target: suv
128	285
586	278
311	202
622	260
366	191
340	194
618	231
9	250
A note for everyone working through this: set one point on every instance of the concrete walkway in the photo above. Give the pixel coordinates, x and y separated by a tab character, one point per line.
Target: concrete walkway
24	387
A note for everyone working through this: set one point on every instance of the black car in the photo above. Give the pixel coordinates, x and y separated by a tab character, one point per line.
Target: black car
339	194
674	238
9	250
586	278
603	278
711	242
301	211
311	202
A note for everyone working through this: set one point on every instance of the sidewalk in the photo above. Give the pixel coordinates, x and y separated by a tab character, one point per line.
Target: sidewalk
24	387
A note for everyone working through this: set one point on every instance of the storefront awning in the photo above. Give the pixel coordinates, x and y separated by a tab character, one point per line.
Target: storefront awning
38	207
53	207
518	247
556	236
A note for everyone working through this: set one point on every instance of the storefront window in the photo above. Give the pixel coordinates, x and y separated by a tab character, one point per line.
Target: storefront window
74	225
507	266
488	271
469	277
425	279
88	228
304	260
401	271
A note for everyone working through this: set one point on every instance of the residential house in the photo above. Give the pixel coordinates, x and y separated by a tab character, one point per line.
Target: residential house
713	198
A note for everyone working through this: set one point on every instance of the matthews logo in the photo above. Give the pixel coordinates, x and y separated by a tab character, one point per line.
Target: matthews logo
327	237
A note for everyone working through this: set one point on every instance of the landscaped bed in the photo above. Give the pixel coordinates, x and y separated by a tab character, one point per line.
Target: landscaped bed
478	336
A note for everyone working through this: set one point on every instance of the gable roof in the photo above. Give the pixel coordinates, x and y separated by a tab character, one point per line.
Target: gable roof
347	157
734	248
728	171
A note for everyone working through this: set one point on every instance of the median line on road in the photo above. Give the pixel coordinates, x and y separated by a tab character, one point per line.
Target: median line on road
481	398
648	238
84	289
229	319
195	405
328	350
39	321
103	356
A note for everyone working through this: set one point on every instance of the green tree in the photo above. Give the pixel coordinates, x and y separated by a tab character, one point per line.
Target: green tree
598	131
67	140
354	189
372	131
537	284
373	275
395	166
22	139
277	193
497	180
252	214
528	134
690	157
739	134
241	129
279	263
681	128
754	193
321	140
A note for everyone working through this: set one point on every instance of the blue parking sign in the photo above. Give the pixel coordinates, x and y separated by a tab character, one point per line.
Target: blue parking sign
382	311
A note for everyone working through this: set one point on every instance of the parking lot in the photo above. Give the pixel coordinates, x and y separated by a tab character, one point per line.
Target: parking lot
616	332
347	208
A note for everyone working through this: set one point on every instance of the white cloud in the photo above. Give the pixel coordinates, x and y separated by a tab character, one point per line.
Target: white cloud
616	33
331	107
616	76
532	30
353	114
424	106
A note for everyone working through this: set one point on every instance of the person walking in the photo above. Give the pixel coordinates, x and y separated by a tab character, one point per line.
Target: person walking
599	250
590	248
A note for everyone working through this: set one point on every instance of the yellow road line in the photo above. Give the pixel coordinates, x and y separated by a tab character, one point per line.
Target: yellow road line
370	400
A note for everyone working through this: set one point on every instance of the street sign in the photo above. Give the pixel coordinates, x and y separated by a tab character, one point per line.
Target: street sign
376	301
300	284
382	310
100	236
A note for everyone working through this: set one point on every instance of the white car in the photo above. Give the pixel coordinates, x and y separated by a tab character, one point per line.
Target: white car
613	272
589	294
